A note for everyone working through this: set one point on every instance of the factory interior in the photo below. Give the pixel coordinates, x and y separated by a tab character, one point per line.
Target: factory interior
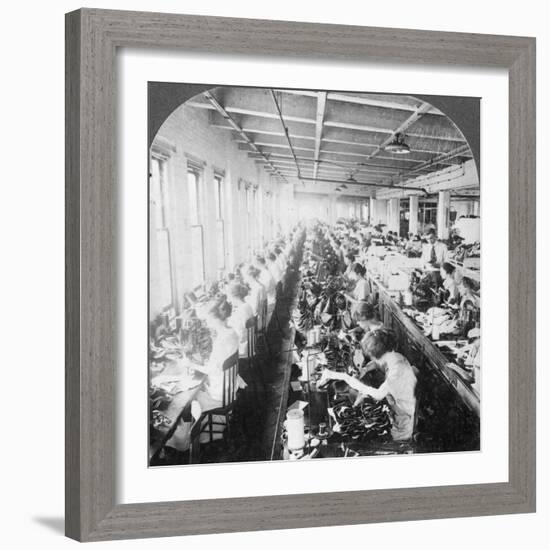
314	278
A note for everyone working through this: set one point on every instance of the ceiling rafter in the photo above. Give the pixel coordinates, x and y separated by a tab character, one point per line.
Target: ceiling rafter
304	120
258	130
237	128
285	129
361	100
319	136
319	121
443	157
415	116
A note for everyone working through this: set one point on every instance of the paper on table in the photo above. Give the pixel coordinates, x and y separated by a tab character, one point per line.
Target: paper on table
300	405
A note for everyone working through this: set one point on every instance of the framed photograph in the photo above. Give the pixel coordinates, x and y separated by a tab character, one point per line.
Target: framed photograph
300	275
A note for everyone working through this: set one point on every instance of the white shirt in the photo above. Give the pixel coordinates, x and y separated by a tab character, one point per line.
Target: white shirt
398	387
266	278
225	344
361	290
275	271
440	252
281	264
256	296
239	316
451	286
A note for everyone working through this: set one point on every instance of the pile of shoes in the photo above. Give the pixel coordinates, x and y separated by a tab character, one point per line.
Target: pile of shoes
369	421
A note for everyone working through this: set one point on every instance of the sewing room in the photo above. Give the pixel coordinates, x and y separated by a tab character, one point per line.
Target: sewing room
314	274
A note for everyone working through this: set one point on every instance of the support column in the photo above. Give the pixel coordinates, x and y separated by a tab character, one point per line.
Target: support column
443	204
393	217
378	211
413	214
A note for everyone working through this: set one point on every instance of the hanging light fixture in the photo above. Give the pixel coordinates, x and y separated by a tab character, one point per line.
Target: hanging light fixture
398	146
349	179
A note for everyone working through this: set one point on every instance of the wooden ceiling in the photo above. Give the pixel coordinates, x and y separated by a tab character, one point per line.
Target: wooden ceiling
309	135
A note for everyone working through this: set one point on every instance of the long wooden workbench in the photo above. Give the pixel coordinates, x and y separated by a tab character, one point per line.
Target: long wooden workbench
415	345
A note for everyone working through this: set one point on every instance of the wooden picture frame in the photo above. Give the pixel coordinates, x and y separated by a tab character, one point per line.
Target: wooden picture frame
92	39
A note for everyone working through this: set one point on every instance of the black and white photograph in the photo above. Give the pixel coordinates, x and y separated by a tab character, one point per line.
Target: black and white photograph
314	276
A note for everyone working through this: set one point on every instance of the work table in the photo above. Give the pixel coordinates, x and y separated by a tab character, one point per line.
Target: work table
416	343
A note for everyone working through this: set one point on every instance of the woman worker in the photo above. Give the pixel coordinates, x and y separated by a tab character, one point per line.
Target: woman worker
366	318
349	260
225	344
398	386
241	312
361	291
257	294
449	284
273	268
266	279
467	295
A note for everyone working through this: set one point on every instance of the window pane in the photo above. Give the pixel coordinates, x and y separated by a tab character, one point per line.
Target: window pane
163	255
218	196
155	191
220	244
197	255
194	206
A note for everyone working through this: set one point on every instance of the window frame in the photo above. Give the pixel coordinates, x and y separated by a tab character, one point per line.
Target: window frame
161	152
196	220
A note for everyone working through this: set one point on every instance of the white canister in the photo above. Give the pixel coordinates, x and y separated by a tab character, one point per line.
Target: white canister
295	429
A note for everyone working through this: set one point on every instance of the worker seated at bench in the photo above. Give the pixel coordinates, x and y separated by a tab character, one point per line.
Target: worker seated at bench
398	387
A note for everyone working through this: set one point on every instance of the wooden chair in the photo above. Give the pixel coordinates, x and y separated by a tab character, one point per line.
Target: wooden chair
251	334
261	328
206	422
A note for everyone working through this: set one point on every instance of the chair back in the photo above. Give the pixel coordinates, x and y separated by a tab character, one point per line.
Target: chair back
230	371
251	328
262	317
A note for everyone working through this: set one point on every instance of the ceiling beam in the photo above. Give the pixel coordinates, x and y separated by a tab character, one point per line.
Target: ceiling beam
238	129
265	127
343	165
451	178
382	185
243	145
285	129
383	104
360	99
423	108
319	119
459	151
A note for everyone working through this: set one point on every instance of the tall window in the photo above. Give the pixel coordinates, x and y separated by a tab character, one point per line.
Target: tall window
197	230
248	198
219	198
255	217
158	201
